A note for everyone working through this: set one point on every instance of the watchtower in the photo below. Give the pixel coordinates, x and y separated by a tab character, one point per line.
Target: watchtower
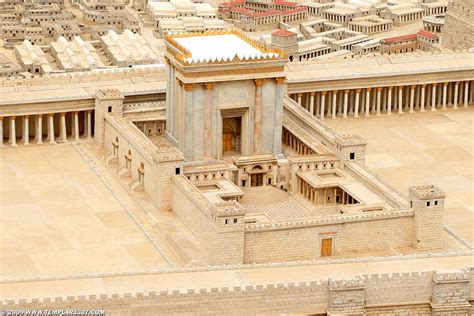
428	203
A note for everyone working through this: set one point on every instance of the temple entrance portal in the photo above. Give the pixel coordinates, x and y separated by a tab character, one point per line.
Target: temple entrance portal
257	177
231	137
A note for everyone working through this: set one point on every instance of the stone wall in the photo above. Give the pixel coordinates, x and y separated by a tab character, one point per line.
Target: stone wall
386	294
195	212
459	25
352	234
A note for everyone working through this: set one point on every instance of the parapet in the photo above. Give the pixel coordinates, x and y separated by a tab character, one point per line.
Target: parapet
108	94
450	276
350	140
357	282
426	192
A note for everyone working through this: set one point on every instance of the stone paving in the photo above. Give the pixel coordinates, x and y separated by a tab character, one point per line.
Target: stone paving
57	216
432	147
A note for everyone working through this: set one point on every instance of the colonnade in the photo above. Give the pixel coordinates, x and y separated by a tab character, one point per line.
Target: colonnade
340	18
409	17
46	128
392	99
296	144
370	29
293	17
329	196
432	27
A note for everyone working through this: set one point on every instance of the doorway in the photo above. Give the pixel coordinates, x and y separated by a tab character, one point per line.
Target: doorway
256	178
326	247
231	134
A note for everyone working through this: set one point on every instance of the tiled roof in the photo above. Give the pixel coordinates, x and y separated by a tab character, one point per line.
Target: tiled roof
400	38
283	33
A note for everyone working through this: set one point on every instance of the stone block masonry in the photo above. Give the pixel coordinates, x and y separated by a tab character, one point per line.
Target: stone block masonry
416	293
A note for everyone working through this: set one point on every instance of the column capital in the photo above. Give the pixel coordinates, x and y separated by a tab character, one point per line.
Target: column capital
259	82
445	84
76	112
300	95
423	85
358	91
39	115
12	117
323	92
50	114
457	82
1	118
312	94
26	116
209	85
435	84
379	89
368	89
390	88
188	86
180	83
63	113
347	91
280	80
413	87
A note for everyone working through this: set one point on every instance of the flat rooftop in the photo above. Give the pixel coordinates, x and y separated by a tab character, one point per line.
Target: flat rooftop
215	47
58	217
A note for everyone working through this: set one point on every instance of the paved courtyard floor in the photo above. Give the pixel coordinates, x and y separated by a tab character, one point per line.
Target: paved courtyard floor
58	217
432	148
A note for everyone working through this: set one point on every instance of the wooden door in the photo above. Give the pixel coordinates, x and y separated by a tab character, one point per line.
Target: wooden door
326	247
227	138
257	179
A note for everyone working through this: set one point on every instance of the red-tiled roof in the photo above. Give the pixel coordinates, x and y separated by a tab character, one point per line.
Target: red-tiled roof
263	14
400	38
283	33
425	33
232	3
241	10
283	2
295	10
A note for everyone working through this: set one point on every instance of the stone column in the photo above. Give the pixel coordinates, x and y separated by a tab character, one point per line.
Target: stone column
412	98
433	97
299	98
51	128
89	124
63	131
367	102
356	105
76	126
400	100
323	102
26	130
422	101
379	98
39	129
466	94
456	91
1	131
12	131
311	103
346	98
208	119
334	104
389	101
445	94
258	115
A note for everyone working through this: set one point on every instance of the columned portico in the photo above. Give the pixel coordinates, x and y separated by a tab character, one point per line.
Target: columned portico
367	102
76	126
323	102
433	97
456	96
346	99
39	129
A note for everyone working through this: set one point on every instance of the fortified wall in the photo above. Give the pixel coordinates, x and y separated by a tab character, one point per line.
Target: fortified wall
459	25
415	293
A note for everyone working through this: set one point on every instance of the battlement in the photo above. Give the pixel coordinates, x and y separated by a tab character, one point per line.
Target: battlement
240	48
109	94
426	192
229	208
350	140
357	282
450	276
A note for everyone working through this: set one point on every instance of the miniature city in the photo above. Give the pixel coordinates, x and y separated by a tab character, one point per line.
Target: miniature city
246	157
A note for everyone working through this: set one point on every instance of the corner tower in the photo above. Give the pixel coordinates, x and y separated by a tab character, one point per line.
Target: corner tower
427	201
224	95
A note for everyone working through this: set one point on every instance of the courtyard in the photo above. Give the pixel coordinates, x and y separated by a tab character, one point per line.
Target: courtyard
59	217
424	148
